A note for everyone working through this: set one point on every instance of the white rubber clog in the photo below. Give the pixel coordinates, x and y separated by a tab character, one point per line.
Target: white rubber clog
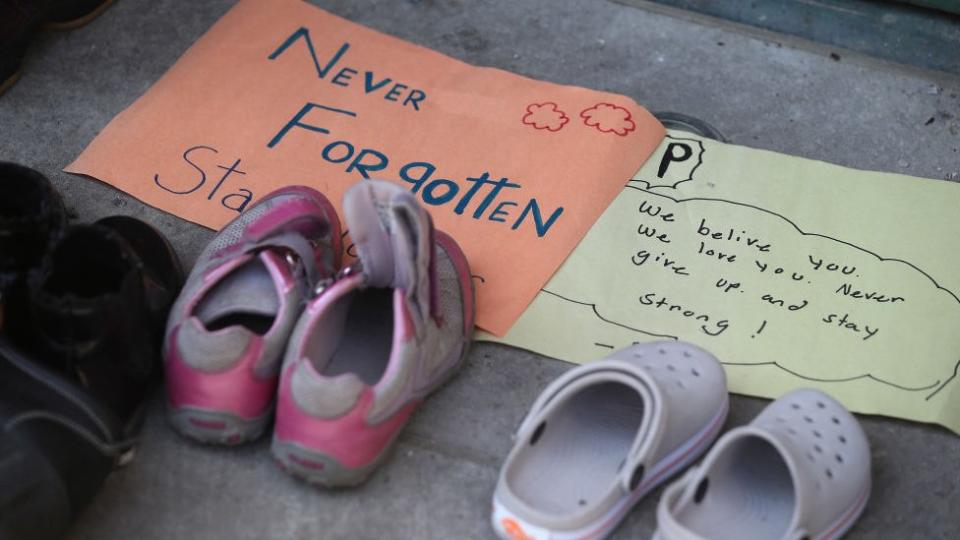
800	470
603	435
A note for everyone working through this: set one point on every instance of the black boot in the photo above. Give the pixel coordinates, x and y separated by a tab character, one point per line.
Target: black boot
21	19
31	218
71	400
68	14
99	302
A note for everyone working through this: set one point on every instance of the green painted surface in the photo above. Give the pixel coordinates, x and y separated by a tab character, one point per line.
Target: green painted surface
950	6
895	31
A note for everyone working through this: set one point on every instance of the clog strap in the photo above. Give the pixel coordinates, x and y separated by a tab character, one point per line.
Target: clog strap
680	493
801	426
652	425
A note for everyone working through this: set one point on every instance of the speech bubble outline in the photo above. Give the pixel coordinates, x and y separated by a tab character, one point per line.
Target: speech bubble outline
664	164
927	390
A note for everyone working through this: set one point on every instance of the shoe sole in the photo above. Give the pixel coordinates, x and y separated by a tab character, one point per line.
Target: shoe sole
319	469
216	427
79	21
10	81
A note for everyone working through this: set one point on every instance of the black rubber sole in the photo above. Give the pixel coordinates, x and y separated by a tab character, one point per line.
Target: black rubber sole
9	81
72	21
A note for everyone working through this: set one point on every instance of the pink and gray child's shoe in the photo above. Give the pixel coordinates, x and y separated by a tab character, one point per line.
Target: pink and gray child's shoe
379	338
228	329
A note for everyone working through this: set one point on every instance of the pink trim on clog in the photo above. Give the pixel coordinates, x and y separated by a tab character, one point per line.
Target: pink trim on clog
847	519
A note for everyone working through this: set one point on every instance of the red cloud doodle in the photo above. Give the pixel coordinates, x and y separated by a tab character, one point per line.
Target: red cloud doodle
545	116
609	118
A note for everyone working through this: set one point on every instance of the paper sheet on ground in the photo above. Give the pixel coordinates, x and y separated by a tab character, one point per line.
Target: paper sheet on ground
281	92
795	273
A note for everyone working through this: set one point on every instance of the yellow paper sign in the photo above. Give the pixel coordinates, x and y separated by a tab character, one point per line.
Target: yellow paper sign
795	273
281	92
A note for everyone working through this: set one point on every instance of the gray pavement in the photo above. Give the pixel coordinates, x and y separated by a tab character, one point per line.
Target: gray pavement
759	89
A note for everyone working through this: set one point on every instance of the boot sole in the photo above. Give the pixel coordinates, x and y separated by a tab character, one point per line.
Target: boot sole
80	21
10	81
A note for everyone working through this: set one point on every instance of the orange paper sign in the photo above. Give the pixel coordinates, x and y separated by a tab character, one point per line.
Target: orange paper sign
281	93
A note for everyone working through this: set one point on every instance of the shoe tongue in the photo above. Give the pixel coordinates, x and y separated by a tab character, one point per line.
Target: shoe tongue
392	235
